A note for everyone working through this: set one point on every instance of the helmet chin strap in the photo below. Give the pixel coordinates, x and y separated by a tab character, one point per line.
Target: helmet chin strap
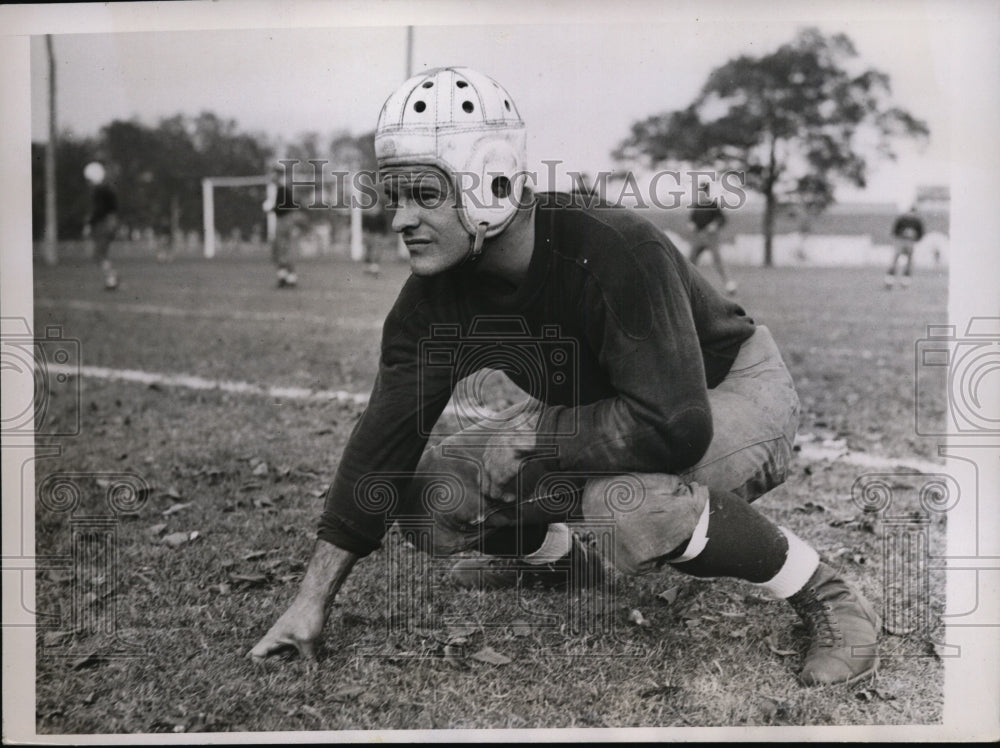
476	243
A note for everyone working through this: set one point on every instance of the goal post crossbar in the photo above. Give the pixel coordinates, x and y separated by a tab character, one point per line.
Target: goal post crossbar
208	185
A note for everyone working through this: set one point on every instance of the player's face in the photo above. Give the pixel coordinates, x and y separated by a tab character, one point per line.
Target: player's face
424	213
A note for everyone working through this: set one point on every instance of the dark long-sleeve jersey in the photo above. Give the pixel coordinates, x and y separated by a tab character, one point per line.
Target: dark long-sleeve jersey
908	226
612	330
705	214
103	203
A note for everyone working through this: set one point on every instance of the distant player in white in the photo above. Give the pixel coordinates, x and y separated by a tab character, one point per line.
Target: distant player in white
102	222
285	231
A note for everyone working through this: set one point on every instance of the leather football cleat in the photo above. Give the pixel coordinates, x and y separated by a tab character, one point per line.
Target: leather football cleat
581	568
843	628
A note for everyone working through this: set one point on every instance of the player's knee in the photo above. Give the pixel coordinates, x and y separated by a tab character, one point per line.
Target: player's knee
648	515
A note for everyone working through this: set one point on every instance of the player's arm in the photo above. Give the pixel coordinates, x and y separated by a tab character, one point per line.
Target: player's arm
302	624
386	443
641	325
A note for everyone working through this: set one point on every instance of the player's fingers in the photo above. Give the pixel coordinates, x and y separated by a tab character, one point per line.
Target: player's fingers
307	650
269	646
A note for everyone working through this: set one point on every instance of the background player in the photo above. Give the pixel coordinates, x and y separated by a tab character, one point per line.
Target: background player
674	389
102	222
706	222
286	230
907	230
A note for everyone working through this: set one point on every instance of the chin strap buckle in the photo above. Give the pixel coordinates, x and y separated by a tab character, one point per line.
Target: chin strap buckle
477	241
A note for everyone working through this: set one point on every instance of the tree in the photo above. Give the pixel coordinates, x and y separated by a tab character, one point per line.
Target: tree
794	123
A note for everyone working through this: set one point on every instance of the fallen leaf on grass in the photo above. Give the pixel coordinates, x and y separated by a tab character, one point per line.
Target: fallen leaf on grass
739	633
254	554
638	618
156	529
55	638
60	575
775	708
261	469
490	656
174	508
89	659
351	618
773	646
247	579
347	693
263	503
873	694
454	655
811	507
669	596
659	690
461	632
175	539
851	555
311	711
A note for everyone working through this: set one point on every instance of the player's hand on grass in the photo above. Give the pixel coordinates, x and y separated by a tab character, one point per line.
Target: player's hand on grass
300	627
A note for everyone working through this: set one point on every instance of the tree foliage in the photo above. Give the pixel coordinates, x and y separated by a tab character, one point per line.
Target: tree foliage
157	171
794	122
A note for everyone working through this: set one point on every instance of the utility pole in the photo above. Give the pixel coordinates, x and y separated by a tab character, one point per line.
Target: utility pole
50	253
409	52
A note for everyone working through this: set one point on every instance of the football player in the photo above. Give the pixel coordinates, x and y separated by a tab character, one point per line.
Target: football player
655	402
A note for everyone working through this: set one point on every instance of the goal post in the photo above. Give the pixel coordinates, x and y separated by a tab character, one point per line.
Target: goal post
208	185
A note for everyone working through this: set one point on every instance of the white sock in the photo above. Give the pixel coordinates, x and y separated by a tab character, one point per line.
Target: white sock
800	564
699	538
556	545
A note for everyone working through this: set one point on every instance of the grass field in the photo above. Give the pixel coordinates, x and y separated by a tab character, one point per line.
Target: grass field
245	471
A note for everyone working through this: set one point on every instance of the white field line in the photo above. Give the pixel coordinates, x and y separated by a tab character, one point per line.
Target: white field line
351	323
809	452
200	383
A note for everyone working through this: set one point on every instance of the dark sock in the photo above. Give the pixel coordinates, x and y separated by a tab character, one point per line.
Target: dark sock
504	542
742	543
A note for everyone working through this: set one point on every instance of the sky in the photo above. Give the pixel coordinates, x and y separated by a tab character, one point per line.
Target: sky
579	84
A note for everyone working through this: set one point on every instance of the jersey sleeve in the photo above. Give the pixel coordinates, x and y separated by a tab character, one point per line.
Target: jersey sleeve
641	326
386	444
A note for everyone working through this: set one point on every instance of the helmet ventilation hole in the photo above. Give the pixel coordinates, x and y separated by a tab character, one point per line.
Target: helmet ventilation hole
428	84
506	104
419	106
467	106
461	84
501	187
